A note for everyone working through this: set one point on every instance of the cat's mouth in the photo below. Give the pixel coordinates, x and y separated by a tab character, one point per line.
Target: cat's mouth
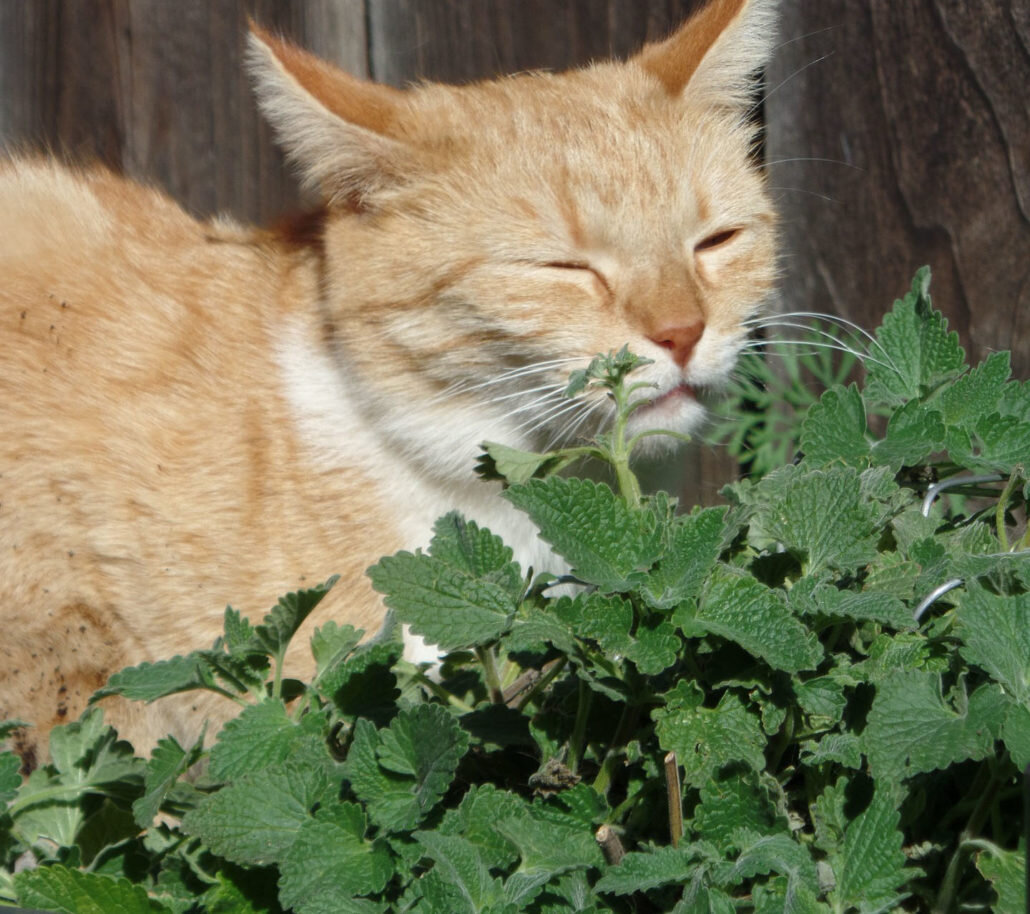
681	392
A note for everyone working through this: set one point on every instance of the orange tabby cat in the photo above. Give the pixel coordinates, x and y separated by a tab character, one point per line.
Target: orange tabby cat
195	414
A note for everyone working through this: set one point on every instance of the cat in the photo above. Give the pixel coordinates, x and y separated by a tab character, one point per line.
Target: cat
198	414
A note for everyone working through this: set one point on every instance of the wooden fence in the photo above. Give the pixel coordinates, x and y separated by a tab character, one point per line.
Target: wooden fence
899	133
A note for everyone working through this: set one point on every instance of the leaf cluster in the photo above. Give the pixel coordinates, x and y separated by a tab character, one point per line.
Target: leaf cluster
813	698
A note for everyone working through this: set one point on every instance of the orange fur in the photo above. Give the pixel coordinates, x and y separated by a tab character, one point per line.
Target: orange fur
198	414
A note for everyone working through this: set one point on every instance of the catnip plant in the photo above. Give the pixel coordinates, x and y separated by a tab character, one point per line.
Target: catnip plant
812	698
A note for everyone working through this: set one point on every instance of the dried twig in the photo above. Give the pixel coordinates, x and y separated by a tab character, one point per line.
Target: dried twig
675	798
610	844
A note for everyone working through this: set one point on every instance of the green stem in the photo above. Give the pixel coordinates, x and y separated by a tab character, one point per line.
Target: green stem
999	513
579	729
946	895
493	682
627	722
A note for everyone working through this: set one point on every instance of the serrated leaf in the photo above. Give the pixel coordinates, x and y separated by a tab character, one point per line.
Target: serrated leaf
604	619
811	597
549	844
640	871
364	684
761	854
1015	732
834	429
419	751
841	748
705	739
821	516
996	443
695	542
1006	871
913	432
741	609
282	621
977	393
731	801
498	461
67	891
474	549
916	351
331	645
260	736
168	762
150	681
447	606
10	776
460	880
475	819
995	631
912	728
870	865
655	648
257	818
607	543
330	863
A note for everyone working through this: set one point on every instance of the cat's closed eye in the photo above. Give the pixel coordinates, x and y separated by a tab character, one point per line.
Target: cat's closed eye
716	240
573	265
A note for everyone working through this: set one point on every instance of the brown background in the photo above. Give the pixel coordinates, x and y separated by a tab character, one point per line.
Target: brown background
898	132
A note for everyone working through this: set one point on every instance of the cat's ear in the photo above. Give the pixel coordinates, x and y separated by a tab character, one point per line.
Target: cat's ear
715	52
341	130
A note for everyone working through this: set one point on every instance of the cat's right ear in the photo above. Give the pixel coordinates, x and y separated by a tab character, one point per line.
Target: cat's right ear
340	130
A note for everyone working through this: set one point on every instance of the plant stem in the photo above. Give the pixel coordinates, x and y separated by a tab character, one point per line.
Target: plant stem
999	514
627	722
493	682
946	895
579	729
675	798
546	677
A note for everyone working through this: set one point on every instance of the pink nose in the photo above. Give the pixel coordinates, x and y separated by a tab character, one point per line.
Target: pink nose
680	341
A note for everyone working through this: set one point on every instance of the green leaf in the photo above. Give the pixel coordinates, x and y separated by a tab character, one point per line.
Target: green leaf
739	608
1006	871
10	776
401	772
811	597
475	819
262	735
870	865
840	748
912	728
916	351
168	762
475	550
331	645
761	854
150	681
822	516
640	871
834	429
977	393
607	543
257	818
995	631
913	432
330	863
1015	732
655	648
695	542
736	799
705	739
514	466
283	620
460	880
996	443
445	604
67	891
549	844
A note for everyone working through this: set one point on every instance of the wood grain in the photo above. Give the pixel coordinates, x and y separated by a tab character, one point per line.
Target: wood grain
900	135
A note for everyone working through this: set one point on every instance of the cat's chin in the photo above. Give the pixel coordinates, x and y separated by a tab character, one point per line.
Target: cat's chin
676	410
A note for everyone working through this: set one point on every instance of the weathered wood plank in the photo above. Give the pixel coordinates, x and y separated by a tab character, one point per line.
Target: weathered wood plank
918	117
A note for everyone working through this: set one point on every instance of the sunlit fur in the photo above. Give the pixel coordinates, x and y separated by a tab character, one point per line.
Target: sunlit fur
201	414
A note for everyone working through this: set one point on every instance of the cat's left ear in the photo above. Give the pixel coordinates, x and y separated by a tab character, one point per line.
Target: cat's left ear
713	55
344	132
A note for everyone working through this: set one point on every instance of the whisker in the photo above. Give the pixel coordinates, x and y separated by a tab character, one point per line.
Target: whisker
764	98
821	159
536	422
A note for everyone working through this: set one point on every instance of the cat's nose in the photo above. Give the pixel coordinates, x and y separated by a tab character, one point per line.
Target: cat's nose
680	341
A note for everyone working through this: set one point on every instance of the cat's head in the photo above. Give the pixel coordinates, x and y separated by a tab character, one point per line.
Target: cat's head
485	240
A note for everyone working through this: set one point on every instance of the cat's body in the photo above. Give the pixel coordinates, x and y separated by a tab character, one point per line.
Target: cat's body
198	414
